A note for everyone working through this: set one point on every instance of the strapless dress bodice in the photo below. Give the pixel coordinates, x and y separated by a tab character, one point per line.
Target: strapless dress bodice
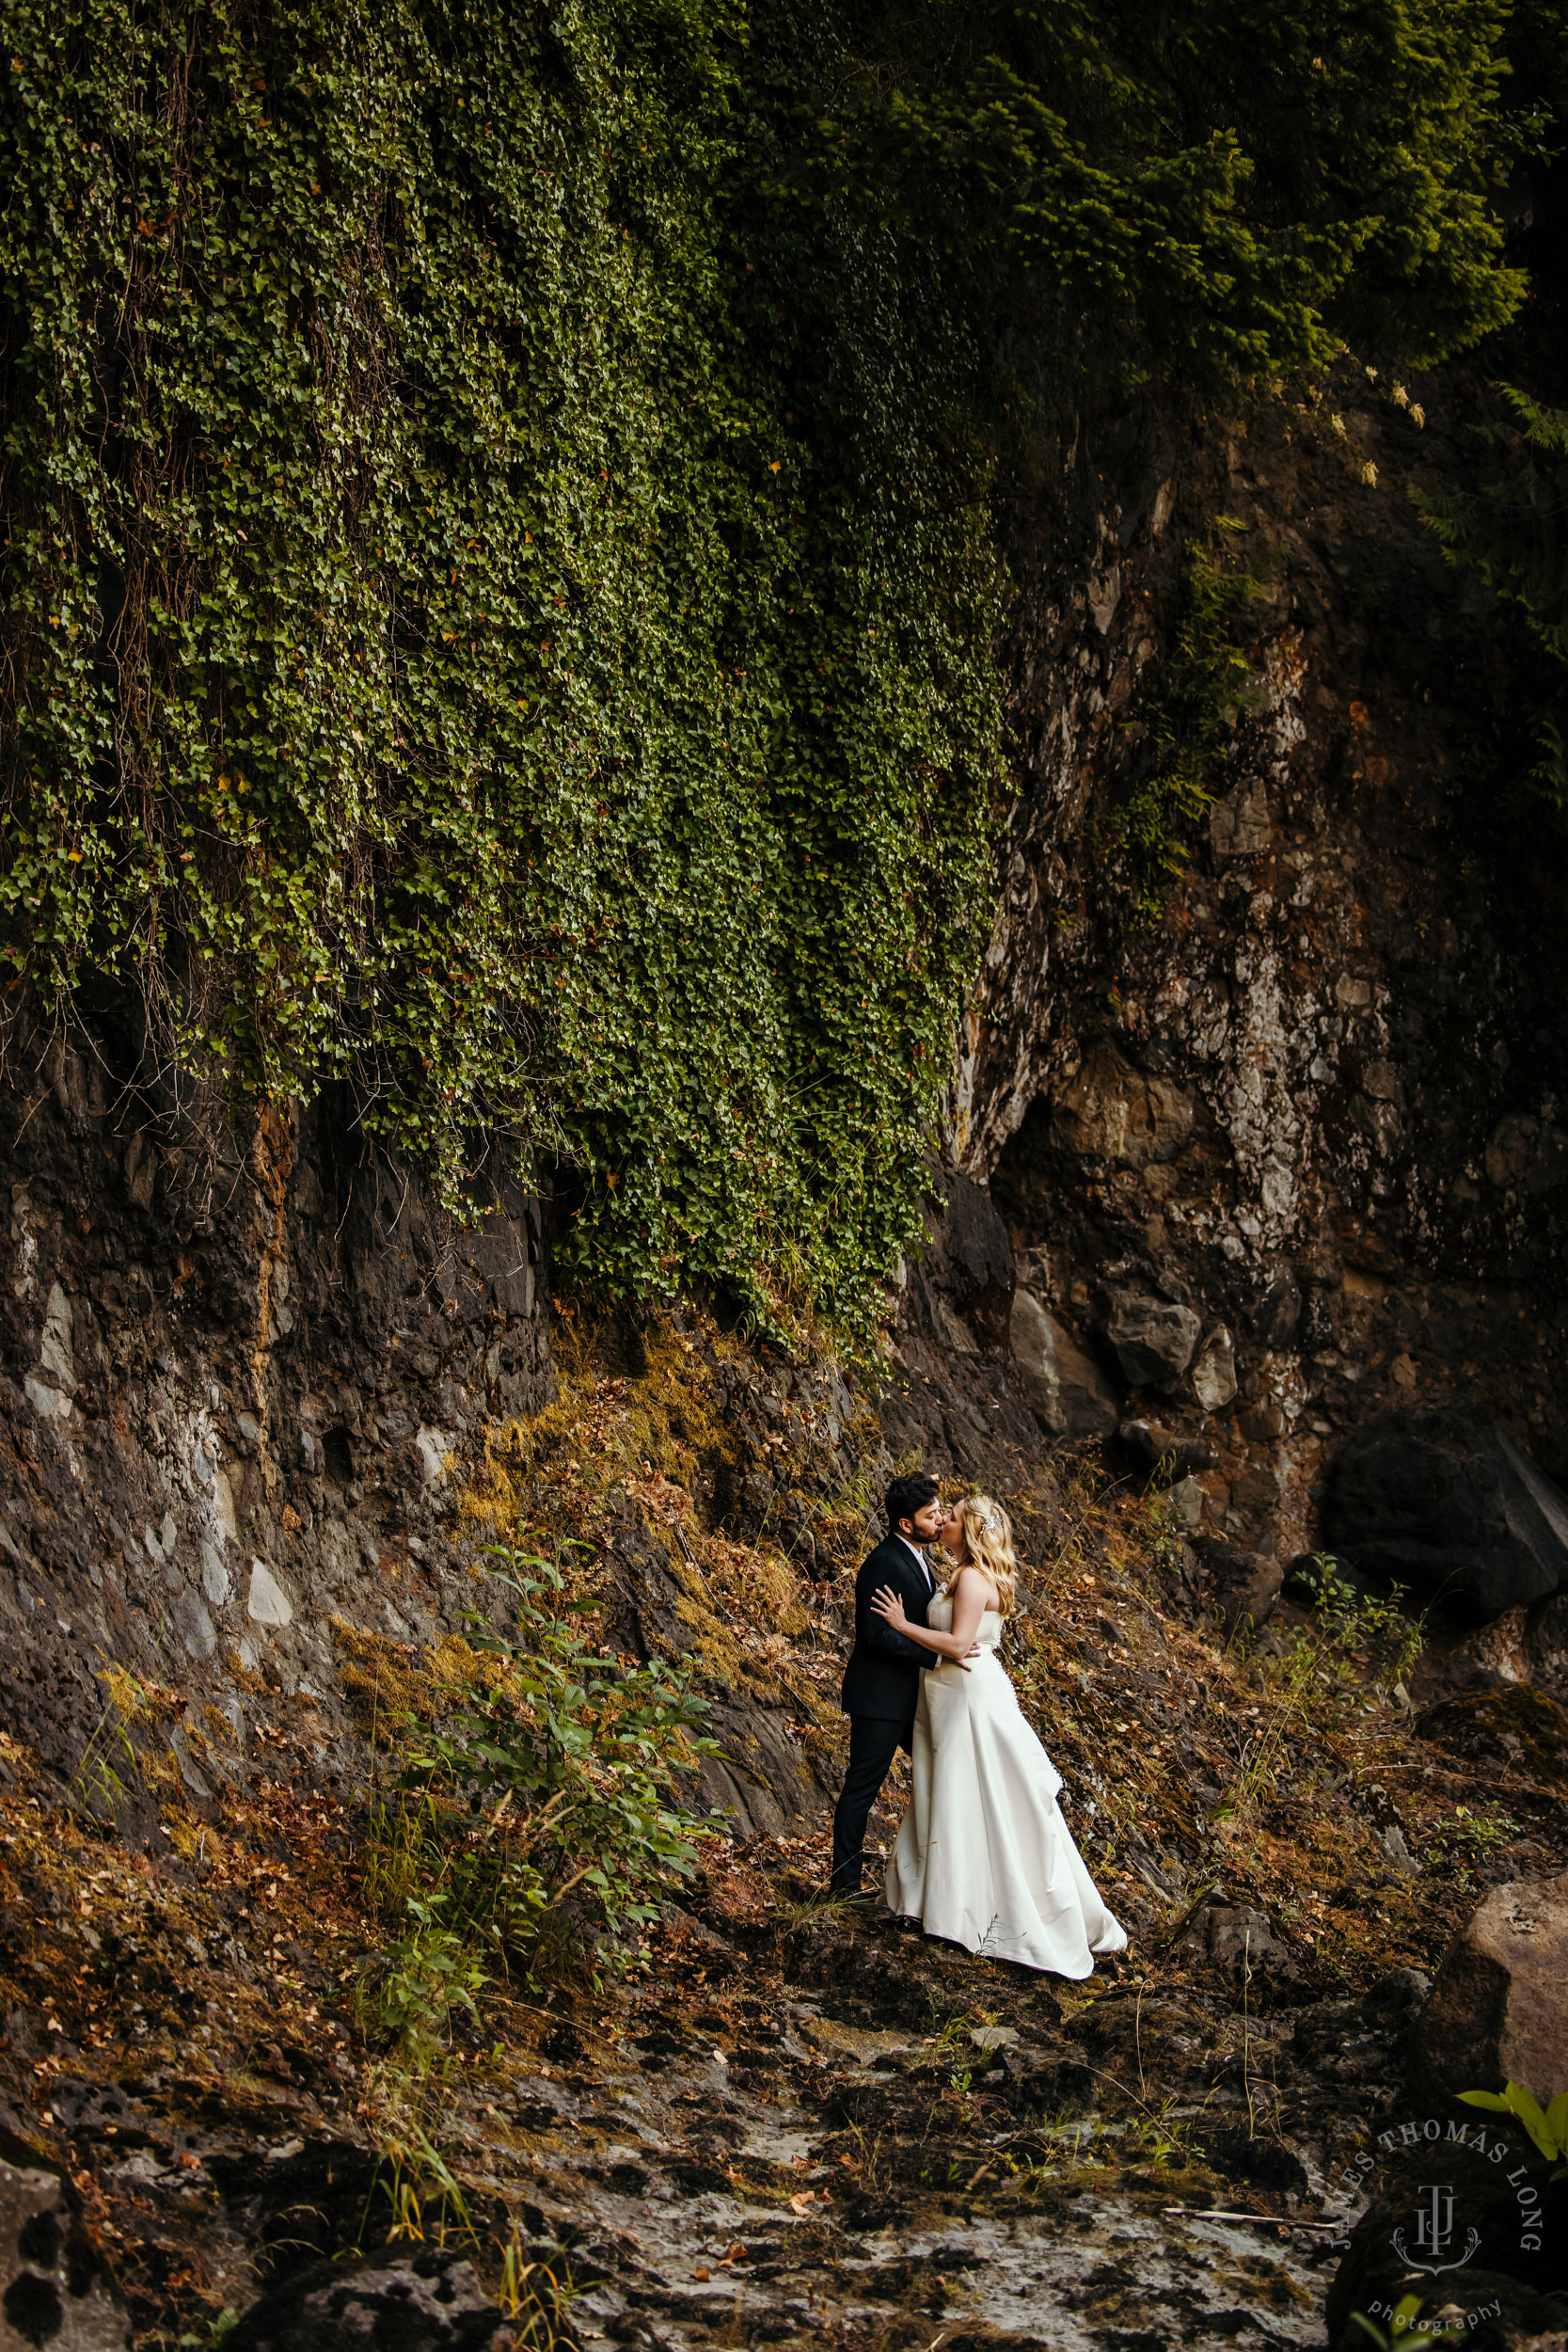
939	1616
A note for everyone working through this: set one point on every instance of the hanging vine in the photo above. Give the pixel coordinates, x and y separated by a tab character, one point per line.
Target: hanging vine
492	615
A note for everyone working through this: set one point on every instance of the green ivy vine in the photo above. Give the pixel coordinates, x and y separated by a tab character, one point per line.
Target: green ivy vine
496	607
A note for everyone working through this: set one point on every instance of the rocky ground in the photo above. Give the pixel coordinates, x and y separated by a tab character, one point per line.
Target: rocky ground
783	2123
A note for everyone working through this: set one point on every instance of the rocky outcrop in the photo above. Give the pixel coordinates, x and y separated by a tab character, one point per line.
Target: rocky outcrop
1070	1395
1498	2011
1315	1104
1450	1510
236	1370
1242	1948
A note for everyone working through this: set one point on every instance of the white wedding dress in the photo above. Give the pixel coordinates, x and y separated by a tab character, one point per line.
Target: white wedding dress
984	1857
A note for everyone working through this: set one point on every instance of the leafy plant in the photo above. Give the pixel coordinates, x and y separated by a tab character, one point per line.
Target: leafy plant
1184	725
1215	188
552	1788
1464	1837
1401	2324
421	1978
1547	2126
1356	1626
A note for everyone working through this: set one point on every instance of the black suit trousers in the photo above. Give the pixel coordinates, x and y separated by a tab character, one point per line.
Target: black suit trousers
873	1744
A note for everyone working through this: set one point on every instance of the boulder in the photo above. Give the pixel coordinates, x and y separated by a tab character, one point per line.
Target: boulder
1110	1111
1499	2007
1068	1393
1153	1340
1214	1373
1186	1498
52	2290
395	2299
1241	1945
1450	1509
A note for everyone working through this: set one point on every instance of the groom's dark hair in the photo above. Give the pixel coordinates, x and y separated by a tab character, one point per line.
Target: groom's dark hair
906	1496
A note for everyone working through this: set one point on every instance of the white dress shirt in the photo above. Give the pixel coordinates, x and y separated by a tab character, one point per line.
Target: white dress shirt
921	1562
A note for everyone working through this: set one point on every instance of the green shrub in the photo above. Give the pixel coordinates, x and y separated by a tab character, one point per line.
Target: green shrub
552	1793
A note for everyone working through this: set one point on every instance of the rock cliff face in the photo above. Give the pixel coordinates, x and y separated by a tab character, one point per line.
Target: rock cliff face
1291	1156
1235	1181
234	1368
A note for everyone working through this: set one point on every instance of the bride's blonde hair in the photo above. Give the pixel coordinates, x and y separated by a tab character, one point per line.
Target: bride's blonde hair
989	1543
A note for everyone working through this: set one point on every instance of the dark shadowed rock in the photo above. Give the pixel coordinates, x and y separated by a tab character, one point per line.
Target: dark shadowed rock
1450	1510
392	2299
1068	1393
1162	1454
52	2290
1153	1340
1499	2008
1246	1584
979	1260
1495	2276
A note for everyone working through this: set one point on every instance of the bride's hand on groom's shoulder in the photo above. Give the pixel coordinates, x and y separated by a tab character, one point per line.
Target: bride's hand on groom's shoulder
887	1604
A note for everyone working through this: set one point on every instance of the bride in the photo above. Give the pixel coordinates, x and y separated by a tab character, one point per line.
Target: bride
984	1857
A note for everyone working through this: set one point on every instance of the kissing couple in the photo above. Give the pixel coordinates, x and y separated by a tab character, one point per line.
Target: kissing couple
983	1856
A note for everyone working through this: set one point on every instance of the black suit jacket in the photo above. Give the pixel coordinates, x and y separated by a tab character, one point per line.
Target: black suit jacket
883	1677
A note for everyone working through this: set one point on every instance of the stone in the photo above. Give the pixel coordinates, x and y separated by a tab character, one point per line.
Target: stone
49	1404
1239	824
1241	1945
216	1583
395	2299
1450	1509
433	1446
267	1603
55	1348
1068	1393
1110	1111
1397	1998
1186	1500
1214	1373
195	1627
1152	1339
52	2290
1527	1156
1499	2007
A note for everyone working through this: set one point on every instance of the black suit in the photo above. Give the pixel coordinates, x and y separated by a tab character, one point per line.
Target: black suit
881	1690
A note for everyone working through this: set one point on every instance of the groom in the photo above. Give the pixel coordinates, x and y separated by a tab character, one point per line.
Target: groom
881	1682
